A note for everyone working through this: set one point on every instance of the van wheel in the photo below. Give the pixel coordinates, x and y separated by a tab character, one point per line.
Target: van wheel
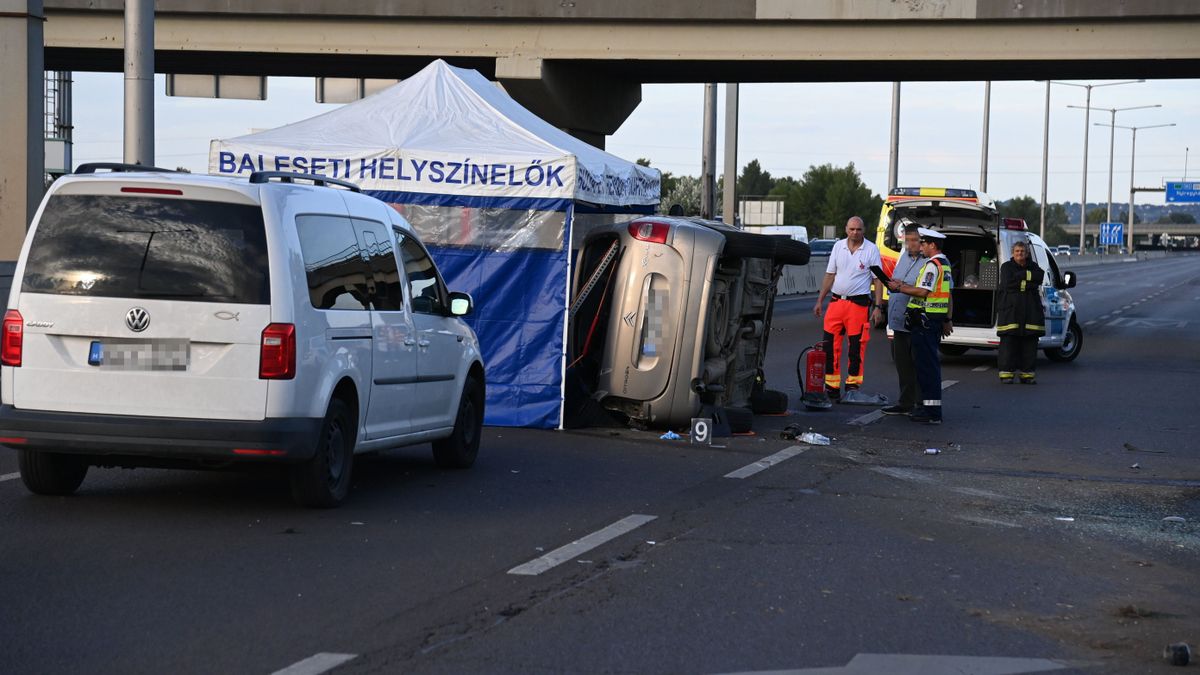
460	449
953	350
747	245
51	473
1071	346
324	481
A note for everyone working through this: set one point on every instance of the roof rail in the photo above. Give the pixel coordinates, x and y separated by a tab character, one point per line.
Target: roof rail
289	177
118	167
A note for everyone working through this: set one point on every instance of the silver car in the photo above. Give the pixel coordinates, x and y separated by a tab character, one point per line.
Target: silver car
672	314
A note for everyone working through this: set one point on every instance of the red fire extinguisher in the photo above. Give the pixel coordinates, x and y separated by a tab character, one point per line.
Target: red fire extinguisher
810	370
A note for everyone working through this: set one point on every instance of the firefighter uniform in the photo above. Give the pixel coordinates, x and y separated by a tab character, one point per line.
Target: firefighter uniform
926	317
1020	319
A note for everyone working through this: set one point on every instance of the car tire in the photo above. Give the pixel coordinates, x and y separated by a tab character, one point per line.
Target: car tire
51	473
791	252
324	480
1072	345
748	245
953	350
768	402
740	420
460	449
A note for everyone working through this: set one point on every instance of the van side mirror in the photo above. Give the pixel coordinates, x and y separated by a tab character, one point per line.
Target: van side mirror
1069	279
461	304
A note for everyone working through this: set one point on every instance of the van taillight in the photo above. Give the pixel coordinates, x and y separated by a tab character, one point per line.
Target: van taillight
649	231
277	356
14	338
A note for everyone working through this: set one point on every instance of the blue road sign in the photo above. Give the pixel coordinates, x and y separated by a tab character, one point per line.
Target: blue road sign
1112	234
1183	193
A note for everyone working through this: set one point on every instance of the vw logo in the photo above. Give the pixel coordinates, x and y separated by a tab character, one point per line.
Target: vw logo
137	319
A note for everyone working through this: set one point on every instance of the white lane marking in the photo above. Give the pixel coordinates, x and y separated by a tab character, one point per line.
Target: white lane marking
929	664
1126	307
767	462
1090	323
946	384
580	546
863	420
980	369
1116	322
9	476
1104	317
317	663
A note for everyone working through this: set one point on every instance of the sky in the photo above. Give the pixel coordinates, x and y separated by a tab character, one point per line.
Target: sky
786	127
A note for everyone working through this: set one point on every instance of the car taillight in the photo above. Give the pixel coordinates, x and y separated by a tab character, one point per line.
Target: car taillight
13	339
650	231
277	357
1015	224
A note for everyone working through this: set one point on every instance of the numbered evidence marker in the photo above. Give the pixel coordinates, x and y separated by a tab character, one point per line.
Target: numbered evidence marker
702	430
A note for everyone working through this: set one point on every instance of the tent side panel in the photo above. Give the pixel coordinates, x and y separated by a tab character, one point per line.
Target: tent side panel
519	300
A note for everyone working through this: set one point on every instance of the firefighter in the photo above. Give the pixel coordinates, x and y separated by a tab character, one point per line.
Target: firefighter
853	308
1020	319
929	319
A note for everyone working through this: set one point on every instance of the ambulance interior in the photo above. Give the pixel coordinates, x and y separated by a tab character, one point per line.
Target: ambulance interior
971	246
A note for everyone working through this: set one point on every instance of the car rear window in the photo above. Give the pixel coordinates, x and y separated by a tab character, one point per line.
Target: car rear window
139	247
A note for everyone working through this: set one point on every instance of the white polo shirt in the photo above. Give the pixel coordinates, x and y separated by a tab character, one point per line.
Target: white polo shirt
852	271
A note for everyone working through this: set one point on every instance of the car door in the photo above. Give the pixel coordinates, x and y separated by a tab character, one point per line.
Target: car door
394	342
439	344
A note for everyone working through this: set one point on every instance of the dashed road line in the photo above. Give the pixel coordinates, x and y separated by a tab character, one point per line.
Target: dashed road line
316	664
580	546
767	462
946	384
980	369
9	476
1090	323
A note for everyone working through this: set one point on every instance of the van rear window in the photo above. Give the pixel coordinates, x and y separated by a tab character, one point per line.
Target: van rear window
137	247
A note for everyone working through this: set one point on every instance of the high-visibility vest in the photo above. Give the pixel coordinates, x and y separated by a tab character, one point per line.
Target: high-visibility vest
938	301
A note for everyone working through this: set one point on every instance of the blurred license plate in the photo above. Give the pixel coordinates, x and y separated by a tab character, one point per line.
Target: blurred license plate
140	354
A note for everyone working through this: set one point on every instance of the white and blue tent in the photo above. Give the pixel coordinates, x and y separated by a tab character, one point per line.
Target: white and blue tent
495	192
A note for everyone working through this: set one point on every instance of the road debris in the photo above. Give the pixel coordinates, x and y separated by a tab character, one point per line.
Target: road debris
1174	519
813	438
1178	654
791	432
1135	465
1064	519
932	451
670	436
1133	448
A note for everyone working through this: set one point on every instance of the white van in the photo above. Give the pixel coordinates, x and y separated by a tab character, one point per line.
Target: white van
977	242
178	320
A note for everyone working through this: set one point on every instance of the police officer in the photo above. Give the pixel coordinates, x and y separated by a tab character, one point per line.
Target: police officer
929	318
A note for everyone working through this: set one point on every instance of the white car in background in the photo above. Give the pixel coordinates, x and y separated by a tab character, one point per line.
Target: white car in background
177	320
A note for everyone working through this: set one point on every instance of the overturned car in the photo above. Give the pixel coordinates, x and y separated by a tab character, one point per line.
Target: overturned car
671	316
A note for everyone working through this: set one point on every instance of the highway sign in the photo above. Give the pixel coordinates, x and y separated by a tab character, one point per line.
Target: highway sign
1112	234
1183	193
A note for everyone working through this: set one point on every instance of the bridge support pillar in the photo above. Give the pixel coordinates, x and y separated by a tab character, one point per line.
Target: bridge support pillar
582	101
23	153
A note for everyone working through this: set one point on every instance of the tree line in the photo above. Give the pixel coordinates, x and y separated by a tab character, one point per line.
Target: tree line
828	195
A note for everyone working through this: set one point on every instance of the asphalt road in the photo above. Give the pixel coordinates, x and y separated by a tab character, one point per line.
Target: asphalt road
829	555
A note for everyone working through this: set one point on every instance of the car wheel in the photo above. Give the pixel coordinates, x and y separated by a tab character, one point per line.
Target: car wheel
747	245
324	480
51	473
460	449
740	420
953	350
1071	346
791	252
768	402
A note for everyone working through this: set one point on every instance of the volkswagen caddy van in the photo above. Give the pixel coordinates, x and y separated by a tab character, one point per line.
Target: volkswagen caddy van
177	320
978	241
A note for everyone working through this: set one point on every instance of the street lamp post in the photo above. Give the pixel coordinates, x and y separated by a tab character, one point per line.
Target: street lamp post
1086	128
1132	158
1111	138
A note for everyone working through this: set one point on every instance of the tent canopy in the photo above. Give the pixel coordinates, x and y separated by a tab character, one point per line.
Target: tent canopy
445	131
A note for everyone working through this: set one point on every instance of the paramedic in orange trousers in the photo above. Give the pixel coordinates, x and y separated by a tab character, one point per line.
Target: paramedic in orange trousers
853	308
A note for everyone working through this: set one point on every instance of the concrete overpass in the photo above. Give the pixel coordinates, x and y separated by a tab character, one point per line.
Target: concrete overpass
580	64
